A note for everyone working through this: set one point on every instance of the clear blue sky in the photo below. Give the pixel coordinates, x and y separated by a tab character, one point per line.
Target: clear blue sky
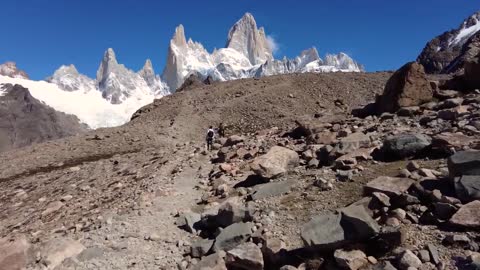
41	35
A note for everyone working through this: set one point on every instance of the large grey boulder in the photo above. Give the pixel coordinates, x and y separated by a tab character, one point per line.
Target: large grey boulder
275	163
324	231
467	187
246	256
271	189
357	223
233	235
405	145
391	186
464	163
330	231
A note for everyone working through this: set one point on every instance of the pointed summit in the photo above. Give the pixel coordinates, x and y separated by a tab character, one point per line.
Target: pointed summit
178	38
147	72
69	79
245	38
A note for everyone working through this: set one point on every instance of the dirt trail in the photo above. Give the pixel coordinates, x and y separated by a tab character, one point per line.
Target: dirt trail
148	238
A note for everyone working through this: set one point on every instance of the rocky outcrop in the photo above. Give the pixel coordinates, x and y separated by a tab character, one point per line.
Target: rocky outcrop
25	120
10	69
445	53
407	87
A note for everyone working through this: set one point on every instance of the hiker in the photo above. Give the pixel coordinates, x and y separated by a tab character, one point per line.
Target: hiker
221	130
210	137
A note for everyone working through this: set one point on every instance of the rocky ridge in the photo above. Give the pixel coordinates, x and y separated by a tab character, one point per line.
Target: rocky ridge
25	120
446	52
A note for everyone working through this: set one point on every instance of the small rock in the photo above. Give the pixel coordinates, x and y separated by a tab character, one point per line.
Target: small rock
352	260
408	259
245	256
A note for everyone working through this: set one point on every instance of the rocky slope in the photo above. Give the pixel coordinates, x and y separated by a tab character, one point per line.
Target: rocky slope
444	53
25	120
299	183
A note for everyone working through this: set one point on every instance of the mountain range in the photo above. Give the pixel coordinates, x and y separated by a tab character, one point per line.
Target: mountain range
118	91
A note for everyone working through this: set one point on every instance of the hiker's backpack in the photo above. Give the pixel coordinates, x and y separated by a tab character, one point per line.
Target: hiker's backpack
210	134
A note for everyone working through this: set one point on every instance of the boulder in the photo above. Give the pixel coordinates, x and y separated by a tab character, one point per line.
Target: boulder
212	262
464	163
14	253
391	186
407	87
407	259
233	235
275	163
55	251
233	140
351	143
324	232
468	216
467	187
246	256
231	212
271	189
357	223
405	145
201	247
188	221
353	260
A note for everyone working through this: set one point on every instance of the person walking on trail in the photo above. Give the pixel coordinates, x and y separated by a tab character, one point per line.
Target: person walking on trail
210	137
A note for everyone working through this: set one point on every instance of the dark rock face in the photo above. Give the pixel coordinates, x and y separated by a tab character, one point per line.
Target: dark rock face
407	87
464	163
194	81
446	53
25	120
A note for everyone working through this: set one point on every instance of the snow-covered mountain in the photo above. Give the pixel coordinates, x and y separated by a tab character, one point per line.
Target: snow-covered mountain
69	79
443	54
116	92
247	54
10	69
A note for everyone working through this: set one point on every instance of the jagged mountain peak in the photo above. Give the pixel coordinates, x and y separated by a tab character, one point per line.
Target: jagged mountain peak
246	38
10	69
148	66
178	38
69	79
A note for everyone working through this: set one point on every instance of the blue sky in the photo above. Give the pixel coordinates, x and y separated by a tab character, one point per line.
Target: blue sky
41	35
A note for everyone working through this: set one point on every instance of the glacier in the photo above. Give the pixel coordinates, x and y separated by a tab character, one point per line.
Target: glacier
89	106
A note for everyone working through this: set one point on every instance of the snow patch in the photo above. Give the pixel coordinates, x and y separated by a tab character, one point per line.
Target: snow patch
466	32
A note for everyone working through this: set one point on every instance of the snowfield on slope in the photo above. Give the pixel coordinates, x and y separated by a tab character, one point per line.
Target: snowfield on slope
90	107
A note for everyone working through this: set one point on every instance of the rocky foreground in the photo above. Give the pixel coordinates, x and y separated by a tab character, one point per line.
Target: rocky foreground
394	185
